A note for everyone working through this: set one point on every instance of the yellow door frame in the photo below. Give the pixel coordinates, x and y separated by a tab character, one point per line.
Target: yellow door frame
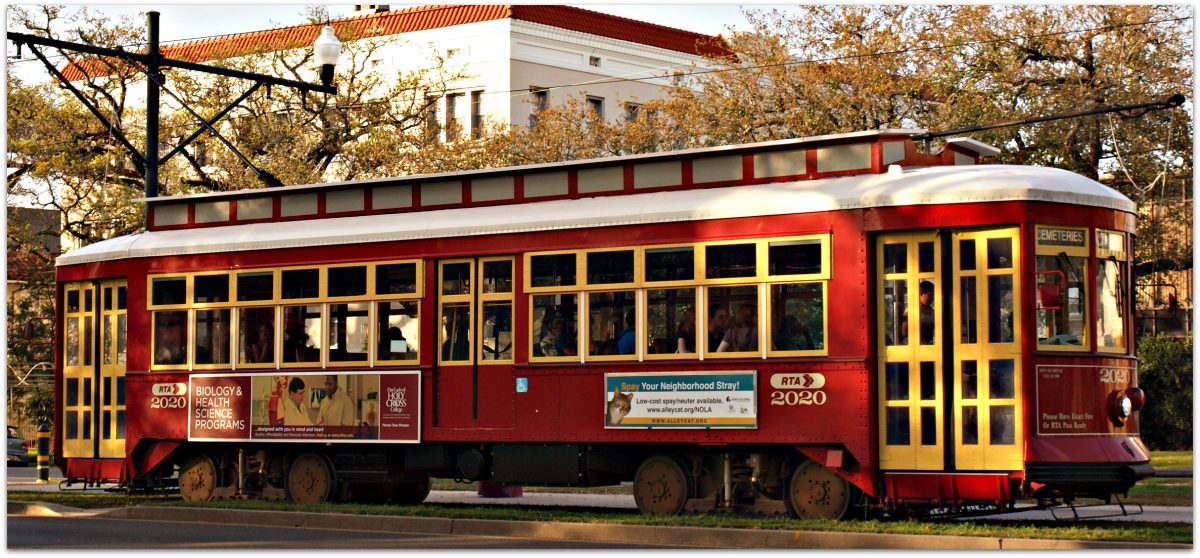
78	358
111	398
989	353
922	361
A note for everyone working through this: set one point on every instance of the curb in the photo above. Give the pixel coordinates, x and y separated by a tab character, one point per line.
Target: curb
608	533
42	509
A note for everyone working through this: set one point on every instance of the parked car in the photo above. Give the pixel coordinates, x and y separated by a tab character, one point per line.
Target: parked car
16	448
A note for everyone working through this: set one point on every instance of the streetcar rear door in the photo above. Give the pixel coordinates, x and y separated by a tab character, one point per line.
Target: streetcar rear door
475	382
949	350
94	350
987	351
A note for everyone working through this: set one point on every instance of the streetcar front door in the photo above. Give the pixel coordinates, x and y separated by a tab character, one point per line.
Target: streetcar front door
475	343
94	349
949	350
911	390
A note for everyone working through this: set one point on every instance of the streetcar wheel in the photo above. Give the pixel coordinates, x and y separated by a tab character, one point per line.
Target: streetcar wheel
815	492
310	479
198	478
661	486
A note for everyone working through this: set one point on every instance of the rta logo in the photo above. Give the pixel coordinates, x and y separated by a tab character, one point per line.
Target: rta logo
395	399
169	389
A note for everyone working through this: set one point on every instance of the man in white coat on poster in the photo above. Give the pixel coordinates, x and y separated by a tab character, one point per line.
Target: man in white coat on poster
336	409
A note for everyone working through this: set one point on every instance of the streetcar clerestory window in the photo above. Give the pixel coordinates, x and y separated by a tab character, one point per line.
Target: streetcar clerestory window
399	278
348	281
730	260
552	270
167	291
670	264
607	268
301	283
211	288
255	285
795	257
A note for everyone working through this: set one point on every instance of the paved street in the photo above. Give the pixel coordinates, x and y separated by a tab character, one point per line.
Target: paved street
22	478
100	534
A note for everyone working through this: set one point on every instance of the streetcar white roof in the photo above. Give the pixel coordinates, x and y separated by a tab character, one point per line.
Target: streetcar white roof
913	186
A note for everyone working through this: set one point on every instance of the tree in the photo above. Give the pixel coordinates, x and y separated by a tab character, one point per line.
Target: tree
67	155
1165	373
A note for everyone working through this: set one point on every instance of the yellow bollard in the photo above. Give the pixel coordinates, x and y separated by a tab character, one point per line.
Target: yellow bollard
43	453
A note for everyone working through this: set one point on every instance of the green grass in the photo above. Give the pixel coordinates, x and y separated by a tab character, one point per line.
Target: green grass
1088	531
1171	459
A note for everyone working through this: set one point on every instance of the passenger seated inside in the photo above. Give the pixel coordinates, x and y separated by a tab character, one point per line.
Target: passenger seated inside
627	341
743	335
685	339
169	335
556	340
925	297
718	317
263	347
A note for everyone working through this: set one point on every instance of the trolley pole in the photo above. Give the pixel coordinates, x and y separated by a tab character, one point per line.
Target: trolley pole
43	453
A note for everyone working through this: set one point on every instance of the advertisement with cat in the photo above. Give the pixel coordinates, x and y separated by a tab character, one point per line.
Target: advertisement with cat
725	399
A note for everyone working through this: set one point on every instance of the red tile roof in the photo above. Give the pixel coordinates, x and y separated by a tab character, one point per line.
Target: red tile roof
432	17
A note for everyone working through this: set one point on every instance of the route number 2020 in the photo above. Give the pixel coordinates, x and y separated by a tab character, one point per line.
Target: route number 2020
798	397
1114	375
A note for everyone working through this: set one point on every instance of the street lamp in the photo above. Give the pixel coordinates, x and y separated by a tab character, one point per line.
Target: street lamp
326	49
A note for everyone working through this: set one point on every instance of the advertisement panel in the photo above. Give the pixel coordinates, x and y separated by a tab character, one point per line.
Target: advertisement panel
726	399
1073	400
305	407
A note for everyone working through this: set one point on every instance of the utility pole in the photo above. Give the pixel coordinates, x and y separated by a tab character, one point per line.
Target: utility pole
154	76
327	49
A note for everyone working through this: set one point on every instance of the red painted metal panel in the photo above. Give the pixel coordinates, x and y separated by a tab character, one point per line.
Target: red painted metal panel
949	489
565	403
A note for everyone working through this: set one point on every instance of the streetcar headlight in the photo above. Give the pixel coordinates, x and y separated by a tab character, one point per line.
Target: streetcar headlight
1119	407
1137	397
1124	406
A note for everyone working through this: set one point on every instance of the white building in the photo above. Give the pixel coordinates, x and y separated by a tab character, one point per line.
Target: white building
517	57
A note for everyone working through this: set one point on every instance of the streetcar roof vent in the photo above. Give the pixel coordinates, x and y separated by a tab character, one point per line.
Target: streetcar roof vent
912	186
790	160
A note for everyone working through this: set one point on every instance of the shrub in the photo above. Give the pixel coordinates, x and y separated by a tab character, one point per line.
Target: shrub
1165	373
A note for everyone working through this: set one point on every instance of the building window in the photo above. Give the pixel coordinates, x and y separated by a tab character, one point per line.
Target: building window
430	114
597	104
539	98
594	61
453	126
477	114
632	110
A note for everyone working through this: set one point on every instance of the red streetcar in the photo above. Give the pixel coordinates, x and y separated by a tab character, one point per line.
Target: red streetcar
824	326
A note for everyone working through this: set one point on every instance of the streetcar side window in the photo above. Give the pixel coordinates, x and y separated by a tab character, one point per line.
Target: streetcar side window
213	330
1111	278
741	332
555	320
740	298
612	324
496	309
256	337
399	331
1062	301
170	338
671	321
797	317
